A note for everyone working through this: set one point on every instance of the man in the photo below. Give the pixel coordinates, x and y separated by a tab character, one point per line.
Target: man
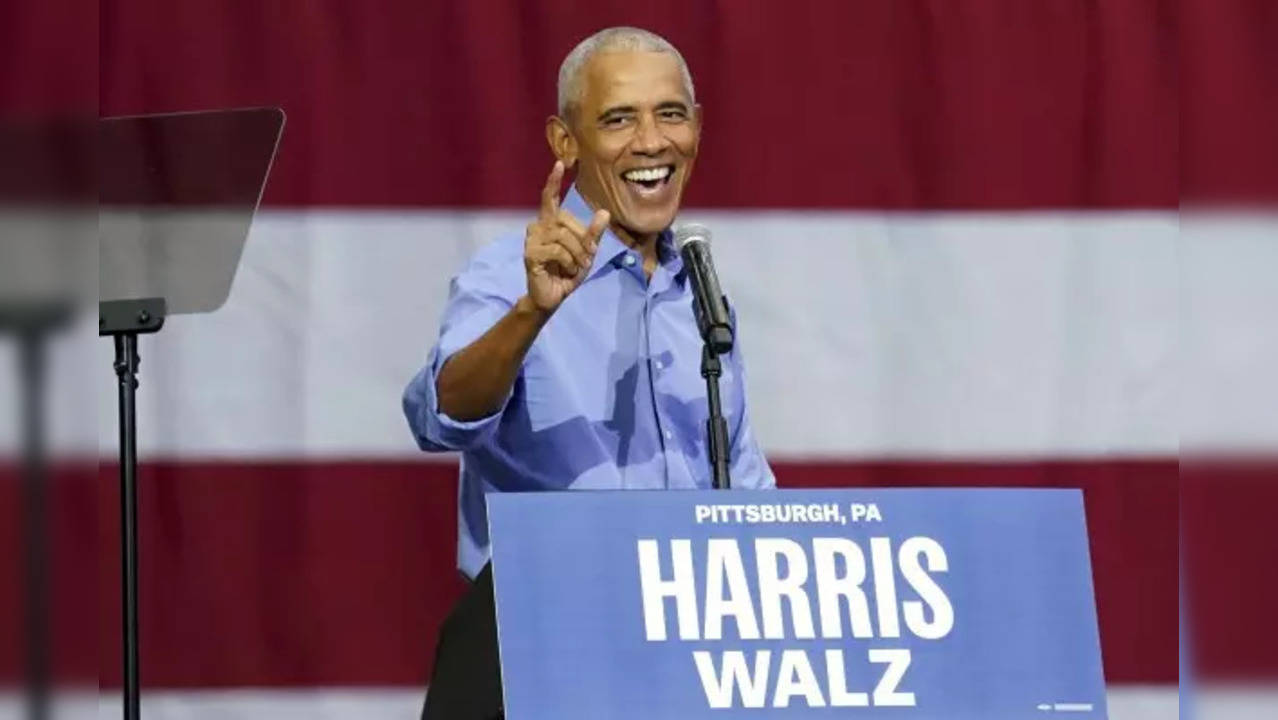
569	358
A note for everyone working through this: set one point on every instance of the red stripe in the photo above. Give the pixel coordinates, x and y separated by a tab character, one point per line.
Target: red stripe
71	571
296	574
1228	547
63	45
907	104
1229	100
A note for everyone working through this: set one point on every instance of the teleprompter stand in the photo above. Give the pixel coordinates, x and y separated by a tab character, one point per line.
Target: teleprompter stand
48	254
178	193
31	325
124	321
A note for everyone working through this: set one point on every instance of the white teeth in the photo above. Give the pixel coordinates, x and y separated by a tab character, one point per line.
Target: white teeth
648	174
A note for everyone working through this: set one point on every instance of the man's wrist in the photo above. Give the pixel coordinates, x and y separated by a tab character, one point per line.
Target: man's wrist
527	309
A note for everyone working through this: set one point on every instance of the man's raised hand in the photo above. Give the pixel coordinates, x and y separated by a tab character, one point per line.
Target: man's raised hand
558	251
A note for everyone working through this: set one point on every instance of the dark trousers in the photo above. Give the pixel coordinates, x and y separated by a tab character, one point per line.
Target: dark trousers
466	682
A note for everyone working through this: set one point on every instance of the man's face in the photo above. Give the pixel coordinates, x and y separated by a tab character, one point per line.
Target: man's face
637	134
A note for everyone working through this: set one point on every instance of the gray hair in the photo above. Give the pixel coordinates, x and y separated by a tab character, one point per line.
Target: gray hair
612	40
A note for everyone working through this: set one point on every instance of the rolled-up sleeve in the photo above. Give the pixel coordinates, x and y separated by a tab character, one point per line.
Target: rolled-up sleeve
478	297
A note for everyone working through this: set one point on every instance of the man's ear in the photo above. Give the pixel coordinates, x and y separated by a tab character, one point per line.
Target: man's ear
561	141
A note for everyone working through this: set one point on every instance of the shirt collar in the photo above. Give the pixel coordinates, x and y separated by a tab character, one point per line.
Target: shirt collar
612	250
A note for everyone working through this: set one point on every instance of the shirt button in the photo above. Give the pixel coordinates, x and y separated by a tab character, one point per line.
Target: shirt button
661	365
669	435
629	260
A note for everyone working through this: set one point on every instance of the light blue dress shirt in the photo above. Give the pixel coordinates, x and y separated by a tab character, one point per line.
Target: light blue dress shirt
610	396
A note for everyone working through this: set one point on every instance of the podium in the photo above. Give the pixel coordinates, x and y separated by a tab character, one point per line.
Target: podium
903	604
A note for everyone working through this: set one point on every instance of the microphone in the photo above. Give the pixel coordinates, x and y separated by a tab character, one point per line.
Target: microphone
713	320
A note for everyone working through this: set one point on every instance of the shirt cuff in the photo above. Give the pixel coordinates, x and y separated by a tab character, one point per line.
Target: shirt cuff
435	429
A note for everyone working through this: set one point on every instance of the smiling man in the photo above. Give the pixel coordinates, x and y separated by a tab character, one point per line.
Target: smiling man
569	358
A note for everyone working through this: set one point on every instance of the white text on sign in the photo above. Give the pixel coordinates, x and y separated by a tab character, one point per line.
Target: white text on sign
804	592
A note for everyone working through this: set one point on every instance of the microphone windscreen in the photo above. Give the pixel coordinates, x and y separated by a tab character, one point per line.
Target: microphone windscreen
692	232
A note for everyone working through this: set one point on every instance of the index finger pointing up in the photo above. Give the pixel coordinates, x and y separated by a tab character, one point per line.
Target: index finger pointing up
550	193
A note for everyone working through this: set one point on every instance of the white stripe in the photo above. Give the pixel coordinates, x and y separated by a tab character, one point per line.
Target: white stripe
957	334
1229	396
866	334
1125	703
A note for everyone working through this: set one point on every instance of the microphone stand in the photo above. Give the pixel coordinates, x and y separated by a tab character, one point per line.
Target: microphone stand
715	326
716	425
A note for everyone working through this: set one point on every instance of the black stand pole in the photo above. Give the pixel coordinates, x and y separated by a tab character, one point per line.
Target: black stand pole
124	320
716	425
35	538
126	368
31	324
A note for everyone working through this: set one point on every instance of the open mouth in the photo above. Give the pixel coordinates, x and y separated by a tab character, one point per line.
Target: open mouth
650	179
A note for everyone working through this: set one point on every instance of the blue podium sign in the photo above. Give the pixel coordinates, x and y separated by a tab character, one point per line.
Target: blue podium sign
903	604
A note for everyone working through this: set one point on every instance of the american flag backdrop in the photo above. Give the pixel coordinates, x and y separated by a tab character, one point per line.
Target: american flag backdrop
949	228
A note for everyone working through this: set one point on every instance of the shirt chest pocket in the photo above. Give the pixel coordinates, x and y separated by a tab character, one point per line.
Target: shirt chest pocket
574	373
